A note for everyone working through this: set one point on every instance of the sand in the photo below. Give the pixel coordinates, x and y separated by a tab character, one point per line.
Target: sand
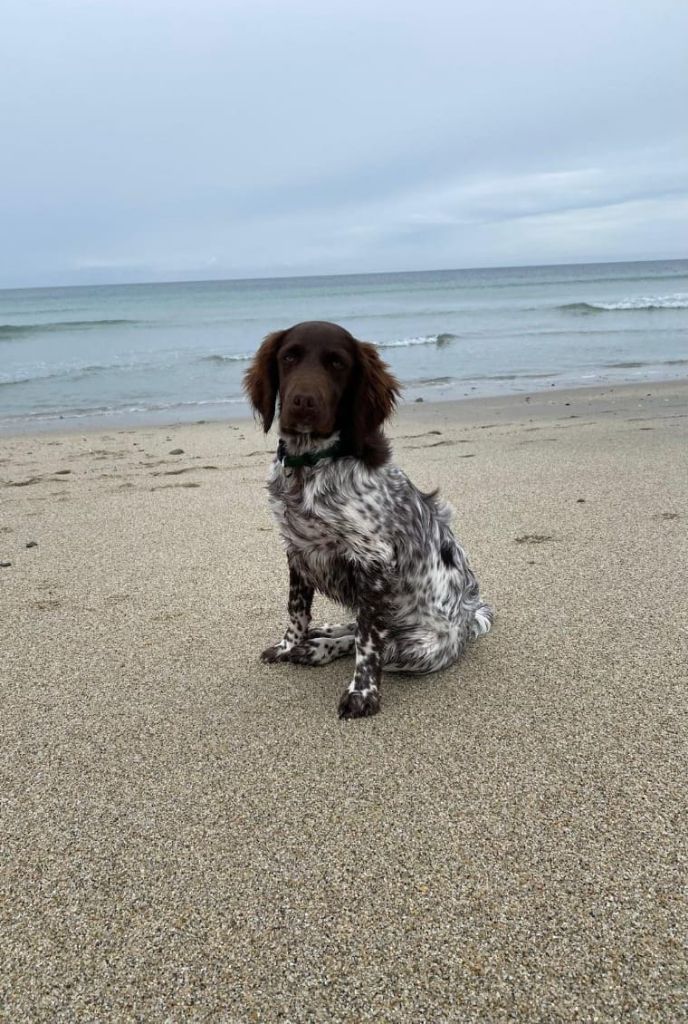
189	835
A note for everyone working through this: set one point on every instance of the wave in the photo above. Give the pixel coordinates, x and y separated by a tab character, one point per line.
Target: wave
516	375
123	409
77	373
438	340
429	382
678	301
427	339
74	373
39	309
645	363
241	357
9	332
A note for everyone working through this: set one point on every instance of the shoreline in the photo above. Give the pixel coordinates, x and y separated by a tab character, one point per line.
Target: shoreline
539	396
134	357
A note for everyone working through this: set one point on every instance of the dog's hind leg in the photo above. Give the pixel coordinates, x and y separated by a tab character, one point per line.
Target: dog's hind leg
346	629
422	652
322	644
321	649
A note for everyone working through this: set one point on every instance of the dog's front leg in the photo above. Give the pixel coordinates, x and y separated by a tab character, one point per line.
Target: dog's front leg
362	696
300	601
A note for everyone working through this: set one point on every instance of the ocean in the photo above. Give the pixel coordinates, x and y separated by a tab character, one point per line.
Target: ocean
160	353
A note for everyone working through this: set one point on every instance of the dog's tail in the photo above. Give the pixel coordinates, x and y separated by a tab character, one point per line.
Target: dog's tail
482	619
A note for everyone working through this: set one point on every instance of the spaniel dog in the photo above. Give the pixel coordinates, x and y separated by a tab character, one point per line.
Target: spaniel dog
354	526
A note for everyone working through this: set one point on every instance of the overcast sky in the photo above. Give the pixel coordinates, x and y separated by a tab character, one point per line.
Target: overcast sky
159	140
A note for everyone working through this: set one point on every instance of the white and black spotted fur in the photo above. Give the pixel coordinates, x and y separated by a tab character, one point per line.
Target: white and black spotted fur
363	535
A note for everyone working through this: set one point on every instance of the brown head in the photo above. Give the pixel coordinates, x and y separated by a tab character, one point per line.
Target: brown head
325	381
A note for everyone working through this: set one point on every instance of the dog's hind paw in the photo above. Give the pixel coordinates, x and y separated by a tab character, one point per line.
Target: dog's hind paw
304	653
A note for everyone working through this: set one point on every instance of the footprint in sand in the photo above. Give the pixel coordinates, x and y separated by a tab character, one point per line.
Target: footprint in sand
426	433
435	444
165	487
23	483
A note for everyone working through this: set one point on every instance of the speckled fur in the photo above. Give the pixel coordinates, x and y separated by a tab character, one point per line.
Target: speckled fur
354	526
370	540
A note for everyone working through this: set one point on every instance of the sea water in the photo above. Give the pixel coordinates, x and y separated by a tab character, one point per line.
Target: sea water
165	352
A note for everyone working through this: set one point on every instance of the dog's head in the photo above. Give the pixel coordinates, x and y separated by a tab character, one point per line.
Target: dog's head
325	381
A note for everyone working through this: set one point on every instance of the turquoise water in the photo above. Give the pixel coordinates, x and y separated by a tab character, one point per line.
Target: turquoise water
167	352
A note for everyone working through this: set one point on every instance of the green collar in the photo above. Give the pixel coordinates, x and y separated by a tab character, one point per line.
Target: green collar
308	458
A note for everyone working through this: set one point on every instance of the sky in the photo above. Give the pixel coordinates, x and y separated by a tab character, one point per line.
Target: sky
157	140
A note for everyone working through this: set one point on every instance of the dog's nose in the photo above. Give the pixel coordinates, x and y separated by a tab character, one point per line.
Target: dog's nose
303	402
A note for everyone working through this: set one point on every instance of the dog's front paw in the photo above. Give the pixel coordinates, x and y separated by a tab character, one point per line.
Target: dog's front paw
278	652
359	703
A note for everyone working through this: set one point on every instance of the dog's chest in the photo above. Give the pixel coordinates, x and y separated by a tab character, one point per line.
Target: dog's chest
306	526
320	555
327	531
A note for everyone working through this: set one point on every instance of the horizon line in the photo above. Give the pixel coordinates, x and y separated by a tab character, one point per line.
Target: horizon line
349	274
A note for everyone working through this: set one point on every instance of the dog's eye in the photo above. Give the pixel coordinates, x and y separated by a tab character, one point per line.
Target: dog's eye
289	358
336	363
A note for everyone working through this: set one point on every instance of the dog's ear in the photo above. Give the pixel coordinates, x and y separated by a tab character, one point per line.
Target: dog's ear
261	380
375	392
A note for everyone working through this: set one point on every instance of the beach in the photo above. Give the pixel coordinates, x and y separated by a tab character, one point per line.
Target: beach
190	835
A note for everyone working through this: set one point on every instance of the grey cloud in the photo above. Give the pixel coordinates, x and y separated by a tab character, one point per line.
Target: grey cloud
149	141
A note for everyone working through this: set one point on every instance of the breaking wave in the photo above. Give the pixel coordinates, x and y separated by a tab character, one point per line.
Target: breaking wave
426	339
241	357
678	301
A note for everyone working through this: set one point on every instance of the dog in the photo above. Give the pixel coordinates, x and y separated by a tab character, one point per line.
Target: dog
354	526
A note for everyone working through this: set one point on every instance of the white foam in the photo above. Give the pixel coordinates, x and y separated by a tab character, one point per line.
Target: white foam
424	339
678	301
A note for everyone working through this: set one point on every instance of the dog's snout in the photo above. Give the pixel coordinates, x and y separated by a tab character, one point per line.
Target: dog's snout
303	402
304	409
306	406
